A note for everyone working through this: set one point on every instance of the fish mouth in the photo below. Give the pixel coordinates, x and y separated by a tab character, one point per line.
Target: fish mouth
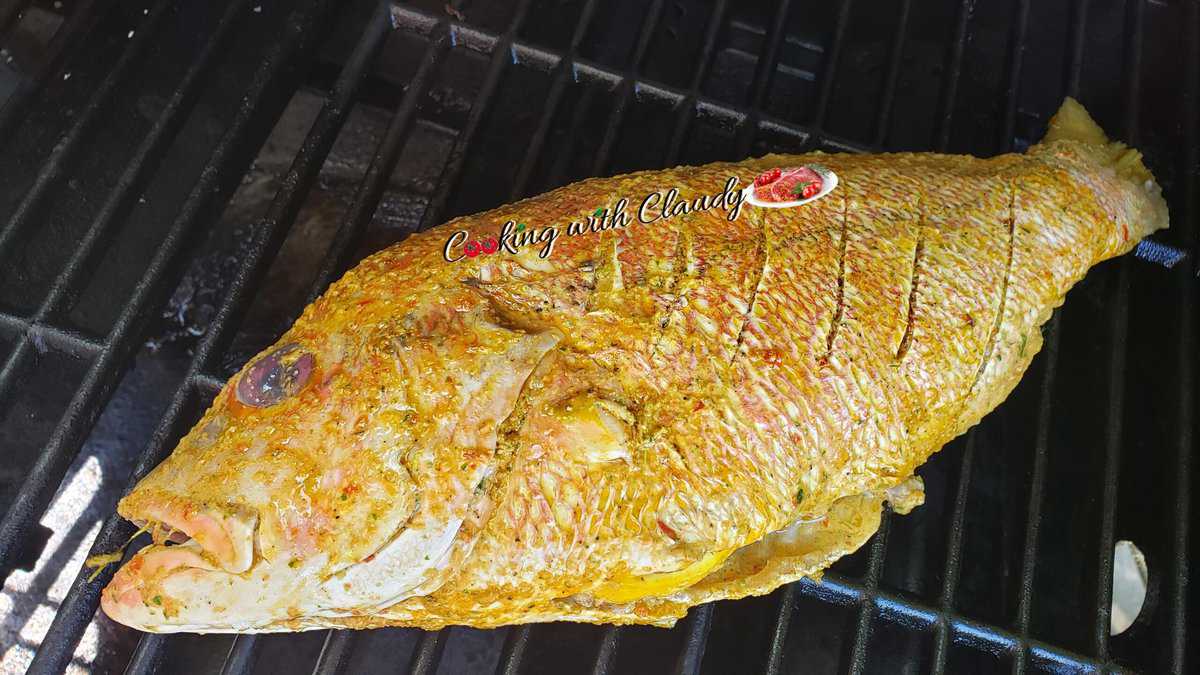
225	534
194	542
135	598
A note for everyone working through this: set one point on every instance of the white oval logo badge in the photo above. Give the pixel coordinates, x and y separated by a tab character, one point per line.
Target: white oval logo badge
785	187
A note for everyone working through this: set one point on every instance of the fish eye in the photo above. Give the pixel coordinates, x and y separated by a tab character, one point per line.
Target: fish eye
276	376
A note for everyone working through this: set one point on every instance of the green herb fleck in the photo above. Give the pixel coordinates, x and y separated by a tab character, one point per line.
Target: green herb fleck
799	495
157	599
343	496
520	226
1024	340
800	188
599	212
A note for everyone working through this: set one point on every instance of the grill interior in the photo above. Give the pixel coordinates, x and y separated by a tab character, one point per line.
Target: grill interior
178	179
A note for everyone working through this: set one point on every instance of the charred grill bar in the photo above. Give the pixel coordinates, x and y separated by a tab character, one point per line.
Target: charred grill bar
597	112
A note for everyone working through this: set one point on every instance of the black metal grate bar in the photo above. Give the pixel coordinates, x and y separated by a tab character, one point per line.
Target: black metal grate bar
1075	65
335	653
240	659
1112	459
1189	205
324	132
954	70
762	78
213	188
68	341
65	442
779	629
694	641
514	650
370	189
883	119
79	606
10	11
501	55
101	377
628	86
829	75
80	21
562	71
954	546
1116	362
428	653
836	589
1033	518
765	68
606	651
1016	53
864	624
65	149
633	82
147	155
687	108
148	657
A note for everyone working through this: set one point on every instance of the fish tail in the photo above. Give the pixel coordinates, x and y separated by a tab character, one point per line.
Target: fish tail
1073	123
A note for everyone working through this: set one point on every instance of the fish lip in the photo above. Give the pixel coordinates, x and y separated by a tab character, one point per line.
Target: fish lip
120	594
227	533
124	599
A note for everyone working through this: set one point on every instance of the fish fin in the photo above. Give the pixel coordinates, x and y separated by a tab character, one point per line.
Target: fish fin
1073	123
1146	208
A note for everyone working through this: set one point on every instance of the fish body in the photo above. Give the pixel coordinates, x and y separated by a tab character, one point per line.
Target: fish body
675	396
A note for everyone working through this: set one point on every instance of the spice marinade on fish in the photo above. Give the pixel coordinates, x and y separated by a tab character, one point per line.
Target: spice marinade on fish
648	418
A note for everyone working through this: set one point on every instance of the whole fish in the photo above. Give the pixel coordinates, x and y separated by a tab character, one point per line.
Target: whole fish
627	396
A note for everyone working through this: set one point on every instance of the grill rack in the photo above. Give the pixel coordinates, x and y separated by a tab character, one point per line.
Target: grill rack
279	74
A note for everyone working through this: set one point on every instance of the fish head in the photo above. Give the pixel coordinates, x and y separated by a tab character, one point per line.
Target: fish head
331	475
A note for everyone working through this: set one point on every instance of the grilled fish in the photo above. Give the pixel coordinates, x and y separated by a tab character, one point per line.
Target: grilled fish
627	396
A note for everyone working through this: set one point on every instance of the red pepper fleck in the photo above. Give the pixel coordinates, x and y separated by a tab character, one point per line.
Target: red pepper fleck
1124	232
772	357
666	529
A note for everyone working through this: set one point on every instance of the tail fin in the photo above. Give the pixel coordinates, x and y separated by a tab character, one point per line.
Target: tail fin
1073	123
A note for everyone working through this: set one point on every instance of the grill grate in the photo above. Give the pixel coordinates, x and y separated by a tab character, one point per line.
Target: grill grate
981	579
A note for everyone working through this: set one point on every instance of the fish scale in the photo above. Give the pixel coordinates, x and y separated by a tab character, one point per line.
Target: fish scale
638	420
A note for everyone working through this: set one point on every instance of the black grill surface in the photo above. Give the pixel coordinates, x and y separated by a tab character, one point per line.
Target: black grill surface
178	179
